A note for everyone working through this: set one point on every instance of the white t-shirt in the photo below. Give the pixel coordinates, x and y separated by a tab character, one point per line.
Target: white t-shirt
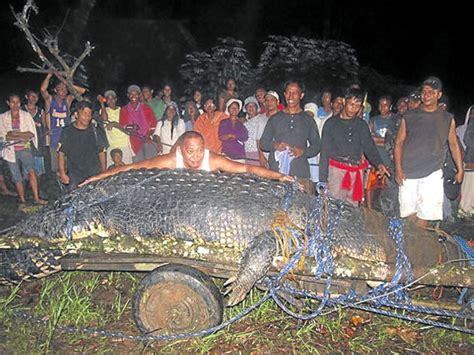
163	130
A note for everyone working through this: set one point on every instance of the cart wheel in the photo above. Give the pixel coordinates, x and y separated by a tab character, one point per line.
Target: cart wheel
175	299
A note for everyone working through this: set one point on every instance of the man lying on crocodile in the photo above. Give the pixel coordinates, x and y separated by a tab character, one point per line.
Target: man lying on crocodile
191	154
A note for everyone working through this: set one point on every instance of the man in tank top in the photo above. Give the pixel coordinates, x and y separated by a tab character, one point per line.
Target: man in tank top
420	150
190	153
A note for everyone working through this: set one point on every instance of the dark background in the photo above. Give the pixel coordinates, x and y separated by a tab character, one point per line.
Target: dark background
146	41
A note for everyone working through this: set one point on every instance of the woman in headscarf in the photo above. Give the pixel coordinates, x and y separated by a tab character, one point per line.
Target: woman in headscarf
232	133
168	129
191	113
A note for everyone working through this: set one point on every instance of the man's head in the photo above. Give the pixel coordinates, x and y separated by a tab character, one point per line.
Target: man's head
385	104
32	97
326	98
14	102
134	92
414	100
337	103
260	95
431	91
402	104
192	149
272	99
352	102
294	93
60	90
83	113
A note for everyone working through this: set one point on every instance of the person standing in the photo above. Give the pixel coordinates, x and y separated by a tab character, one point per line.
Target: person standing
18	126
291	137
227	94
345	143
420	150
58	108
232	132
115	136
38	115
168	129
156	104
207	125
141	119
84	147
251	108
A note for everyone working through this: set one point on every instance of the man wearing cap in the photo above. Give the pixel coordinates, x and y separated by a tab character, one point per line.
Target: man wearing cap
291	137
271	103
420	149
414	100
141	119
207	125
116	136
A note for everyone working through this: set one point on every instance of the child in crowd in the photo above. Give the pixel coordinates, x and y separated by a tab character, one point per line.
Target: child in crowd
117	157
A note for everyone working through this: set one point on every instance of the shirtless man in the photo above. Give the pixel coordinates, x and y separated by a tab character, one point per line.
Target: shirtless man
190	153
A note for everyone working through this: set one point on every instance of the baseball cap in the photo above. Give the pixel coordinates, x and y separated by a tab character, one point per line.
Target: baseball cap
433	82
274	94
110	93
414	96
132	88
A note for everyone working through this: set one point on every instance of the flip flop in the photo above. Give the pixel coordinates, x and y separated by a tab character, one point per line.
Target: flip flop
41	202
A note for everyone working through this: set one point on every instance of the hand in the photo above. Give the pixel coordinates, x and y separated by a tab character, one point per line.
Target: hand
227	137
286	178
382	170
297	152
459	177
280	146
64	179
399	176
159	148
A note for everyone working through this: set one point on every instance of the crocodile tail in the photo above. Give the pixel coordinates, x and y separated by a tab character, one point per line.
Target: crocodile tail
18	265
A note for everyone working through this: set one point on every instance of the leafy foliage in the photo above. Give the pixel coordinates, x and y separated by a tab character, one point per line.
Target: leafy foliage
209	70
318	63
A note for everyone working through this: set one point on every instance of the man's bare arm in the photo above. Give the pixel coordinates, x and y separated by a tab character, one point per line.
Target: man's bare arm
221	163
166	161
44	90
455	152
398	152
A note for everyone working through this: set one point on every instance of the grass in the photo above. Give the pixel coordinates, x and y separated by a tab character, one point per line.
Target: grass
103	300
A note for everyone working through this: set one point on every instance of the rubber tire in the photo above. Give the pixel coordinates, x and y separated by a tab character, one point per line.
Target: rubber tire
184	300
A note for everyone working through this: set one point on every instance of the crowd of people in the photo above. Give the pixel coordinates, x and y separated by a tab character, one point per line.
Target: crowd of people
333	140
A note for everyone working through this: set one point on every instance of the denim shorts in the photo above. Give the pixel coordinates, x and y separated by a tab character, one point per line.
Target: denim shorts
25	157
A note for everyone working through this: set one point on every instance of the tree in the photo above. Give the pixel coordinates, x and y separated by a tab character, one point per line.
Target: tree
66	67
318	63
209	70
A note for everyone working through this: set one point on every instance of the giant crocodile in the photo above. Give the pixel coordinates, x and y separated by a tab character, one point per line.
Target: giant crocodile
214	217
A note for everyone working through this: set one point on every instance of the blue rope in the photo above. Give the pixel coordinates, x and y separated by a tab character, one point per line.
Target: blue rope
391	294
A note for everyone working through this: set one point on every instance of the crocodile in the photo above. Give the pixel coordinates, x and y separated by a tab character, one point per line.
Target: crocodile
210	216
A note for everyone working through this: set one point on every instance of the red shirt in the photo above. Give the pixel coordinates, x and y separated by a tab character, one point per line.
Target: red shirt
144	117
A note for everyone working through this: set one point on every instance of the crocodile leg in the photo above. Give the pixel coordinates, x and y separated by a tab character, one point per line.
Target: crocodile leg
254	264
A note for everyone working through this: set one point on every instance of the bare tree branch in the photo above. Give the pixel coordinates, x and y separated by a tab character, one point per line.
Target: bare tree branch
60	63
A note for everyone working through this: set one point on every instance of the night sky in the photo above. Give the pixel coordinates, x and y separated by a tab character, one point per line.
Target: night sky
404	40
